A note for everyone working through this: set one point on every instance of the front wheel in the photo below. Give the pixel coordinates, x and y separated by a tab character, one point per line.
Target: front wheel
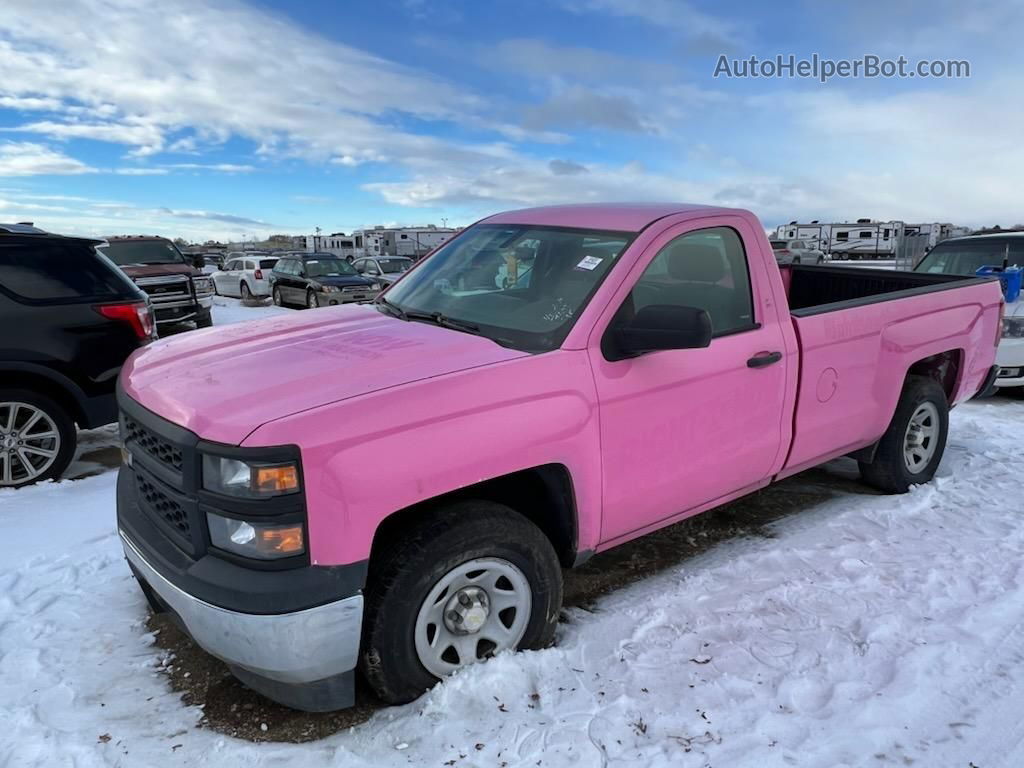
37	438
912	447
312	300
473	579
276	295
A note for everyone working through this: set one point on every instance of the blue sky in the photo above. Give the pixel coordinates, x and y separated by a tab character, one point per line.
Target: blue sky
233	119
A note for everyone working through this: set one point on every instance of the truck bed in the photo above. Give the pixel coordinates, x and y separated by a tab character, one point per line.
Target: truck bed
813	290
860	331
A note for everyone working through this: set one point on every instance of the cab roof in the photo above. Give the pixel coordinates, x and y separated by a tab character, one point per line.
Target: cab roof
620	217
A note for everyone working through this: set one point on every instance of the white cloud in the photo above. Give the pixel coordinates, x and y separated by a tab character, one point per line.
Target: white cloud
22	158
141	171
222	167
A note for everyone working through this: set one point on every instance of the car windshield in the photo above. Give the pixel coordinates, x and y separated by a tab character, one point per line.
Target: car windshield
779	245
328	268
125	253
522	286
966	257
394	265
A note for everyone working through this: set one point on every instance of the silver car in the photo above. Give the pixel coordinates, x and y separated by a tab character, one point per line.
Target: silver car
386	269
796	252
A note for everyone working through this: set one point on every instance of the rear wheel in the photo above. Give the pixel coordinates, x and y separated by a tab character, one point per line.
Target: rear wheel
912	447
37	438
473	579
244	292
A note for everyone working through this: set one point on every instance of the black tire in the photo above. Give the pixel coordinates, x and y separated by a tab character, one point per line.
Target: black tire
312	300
402	575
204	320
243	292
889	471
65	427
276	297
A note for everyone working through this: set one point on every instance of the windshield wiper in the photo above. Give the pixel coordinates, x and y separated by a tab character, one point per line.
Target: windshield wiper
444	321
392	308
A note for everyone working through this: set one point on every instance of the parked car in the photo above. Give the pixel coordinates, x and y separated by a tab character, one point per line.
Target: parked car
317	280
796	252
69	319
246	277
177	288
212	262
653	363
965	256
385	269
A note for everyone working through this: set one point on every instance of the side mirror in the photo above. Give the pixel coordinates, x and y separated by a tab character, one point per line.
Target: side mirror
661	326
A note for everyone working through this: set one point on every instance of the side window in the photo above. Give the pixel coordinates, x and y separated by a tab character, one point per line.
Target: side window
705	269
56	271
250	265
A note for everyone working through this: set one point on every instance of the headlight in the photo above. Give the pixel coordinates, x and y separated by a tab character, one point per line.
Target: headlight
253	480
257	540
1013	327
202	284
374	286
330	289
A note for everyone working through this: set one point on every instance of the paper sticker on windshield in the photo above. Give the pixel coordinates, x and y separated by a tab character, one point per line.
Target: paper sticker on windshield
589	262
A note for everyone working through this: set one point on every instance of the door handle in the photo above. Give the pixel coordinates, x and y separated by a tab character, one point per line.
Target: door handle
761	359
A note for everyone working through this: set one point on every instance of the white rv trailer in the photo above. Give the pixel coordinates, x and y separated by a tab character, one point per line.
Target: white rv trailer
866	239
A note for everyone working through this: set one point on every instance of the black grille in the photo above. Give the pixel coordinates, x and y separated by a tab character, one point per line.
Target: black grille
153	445
163	506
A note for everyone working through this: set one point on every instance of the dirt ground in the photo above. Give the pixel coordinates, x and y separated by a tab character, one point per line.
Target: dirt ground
232	709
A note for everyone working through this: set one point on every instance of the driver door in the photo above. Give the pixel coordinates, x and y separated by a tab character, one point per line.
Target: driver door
682	429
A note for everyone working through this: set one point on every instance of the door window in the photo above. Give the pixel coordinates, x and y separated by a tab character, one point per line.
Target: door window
706	269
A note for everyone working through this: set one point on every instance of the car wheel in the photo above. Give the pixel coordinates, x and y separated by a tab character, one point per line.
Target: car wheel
912	447
472	579
37	438
276	296
312	300
796	260
244	292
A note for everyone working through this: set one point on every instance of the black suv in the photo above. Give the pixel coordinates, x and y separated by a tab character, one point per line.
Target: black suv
317	280
68	321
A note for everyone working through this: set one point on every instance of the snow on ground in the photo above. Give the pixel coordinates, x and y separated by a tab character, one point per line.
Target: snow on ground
868	630
228	311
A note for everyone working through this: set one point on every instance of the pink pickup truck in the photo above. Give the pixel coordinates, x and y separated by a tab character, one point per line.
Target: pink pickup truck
395	487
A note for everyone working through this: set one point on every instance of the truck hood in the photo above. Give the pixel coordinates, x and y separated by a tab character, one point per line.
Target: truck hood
224	382
158	270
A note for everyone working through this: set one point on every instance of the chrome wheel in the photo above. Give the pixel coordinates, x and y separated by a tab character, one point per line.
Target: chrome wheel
29	442
312	301
921	439
476	610
277	297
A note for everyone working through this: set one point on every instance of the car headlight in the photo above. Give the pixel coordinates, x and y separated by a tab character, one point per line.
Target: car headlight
252	480
262	541
202	284
1013	327
330	289
374	286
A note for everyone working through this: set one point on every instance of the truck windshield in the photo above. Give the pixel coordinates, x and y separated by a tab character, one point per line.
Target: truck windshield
125	253
966	257
523	286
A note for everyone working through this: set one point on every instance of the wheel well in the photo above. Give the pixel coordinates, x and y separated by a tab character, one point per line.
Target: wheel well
943	367
45	386
543	495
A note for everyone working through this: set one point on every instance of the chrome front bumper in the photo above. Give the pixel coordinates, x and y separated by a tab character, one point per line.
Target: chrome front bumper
278	650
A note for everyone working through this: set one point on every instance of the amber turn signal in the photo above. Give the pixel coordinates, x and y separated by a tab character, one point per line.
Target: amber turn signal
276	479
